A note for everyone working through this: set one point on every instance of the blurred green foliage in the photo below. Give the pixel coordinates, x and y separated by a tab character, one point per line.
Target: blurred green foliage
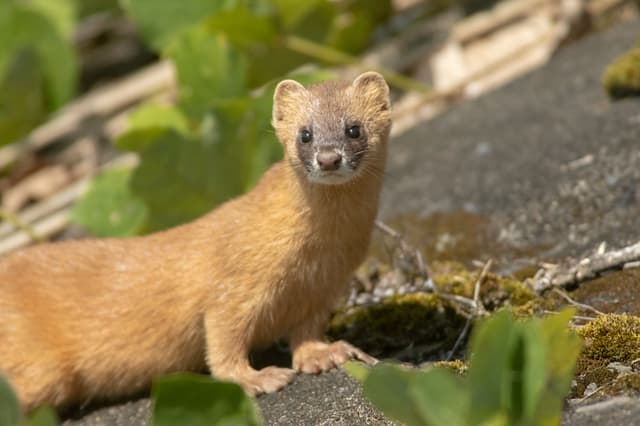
92	7
196	400
179	399
217	140
110	207
621	78
37	62
10	414
520	371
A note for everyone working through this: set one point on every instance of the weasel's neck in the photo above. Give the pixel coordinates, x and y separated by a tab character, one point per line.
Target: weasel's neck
354	203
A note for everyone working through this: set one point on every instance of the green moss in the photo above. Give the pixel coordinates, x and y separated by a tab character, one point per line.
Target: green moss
412	327
622	77
613	292
612	337
457	366
625	383
590	371
609	338
495	292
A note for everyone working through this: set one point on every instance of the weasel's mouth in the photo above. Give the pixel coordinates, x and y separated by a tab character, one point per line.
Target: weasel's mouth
333	177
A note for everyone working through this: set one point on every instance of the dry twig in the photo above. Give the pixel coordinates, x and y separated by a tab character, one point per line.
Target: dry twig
587	268
406	248
50	216
478	310
579	305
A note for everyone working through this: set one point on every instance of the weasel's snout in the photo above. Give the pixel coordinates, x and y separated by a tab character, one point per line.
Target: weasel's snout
328	160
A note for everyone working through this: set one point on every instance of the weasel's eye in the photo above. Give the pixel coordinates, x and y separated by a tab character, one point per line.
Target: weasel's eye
353	132
305	136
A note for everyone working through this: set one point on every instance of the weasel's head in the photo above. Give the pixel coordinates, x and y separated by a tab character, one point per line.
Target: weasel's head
334	131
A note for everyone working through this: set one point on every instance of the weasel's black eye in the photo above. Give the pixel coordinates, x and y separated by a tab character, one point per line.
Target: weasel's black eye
305	136
353	132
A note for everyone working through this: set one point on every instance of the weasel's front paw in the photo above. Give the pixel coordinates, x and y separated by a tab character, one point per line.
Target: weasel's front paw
316	357
267	380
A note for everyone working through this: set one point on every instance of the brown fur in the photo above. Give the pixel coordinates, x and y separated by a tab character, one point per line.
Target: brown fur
90	319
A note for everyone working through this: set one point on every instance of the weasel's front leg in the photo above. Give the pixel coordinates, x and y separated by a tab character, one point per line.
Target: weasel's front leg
228	359
313	355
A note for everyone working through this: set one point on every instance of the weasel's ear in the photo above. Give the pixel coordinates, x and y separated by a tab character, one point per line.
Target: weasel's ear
287	95
373	87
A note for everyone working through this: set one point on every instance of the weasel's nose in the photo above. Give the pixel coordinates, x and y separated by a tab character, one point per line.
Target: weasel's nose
328	160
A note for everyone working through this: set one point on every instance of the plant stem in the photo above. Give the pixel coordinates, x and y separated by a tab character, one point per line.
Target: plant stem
19	224
328	54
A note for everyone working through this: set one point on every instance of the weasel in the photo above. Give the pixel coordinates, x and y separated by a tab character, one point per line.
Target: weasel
99	319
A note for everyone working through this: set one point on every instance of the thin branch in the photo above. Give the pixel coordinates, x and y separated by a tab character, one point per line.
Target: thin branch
587	268
328	54
458	299
480	309
590	394
387	229
582	306
22	226
460	339
422	266
102	102
576	317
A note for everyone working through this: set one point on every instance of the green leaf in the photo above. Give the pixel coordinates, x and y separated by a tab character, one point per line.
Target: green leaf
42	417
292	11
61	13
266	148
521	370
533	369
564	346
30	29
22	100
440	397
148	123
210	70
387	386
192	400
109	208
9	406
490	366
242	26
178	181
353	27
161	21
181	177
357	370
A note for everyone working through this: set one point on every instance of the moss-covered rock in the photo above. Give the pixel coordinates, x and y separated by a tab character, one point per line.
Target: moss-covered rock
496	291
411	327
626	383
457	366
622	77
608	339
591	371
612	338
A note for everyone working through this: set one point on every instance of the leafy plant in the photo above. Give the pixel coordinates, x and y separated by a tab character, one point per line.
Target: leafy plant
195	400
10	414
217	140
519	373
37	63
109	207
179	399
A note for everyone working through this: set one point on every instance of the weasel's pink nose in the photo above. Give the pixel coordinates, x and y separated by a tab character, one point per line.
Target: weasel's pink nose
329	160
